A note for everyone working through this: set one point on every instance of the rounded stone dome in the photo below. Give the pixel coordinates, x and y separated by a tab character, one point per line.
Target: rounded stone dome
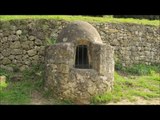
79	30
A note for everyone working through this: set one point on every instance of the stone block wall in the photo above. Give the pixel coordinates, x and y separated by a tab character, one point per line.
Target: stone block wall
22	42
133	43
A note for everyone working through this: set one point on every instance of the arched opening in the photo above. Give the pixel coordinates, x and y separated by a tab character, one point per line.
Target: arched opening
82	58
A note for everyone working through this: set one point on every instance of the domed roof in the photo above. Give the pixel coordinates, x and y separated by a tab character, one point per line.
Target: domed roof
79	30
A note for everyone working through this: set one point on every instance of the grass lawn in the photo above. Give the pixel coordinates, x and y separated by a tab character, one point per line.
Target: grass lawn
126	86
136	81
84	18
129	87
20	92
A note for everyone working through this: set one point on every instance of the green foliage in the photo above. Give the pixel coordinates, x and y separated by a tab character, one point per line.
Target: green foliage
36	74
16	93
118	66
5	73
51	41
15	67
3	85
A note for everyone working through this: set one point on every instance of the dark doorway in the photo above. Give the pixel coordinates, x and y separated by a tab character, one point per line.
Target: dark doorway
82	57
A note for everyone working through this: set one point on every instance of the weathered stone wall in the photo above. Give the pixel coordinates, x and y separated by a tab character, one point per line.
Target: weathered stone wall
22	42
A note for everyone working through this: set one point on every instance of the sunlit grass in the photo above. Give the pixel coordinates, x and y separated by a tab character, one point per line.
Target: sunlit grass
146	87
84	18
19	92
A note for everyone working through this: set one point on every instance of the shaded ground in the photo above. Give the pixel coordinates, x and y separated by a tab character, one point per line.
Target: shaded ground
38	99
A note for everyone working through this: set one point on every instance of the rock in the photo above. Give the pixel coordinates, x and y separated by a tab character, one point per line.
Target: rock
136	32
23	38
3	40
13	38
38	42
1	35
6	53
6	61
27	62
32	52
24	52
1	56
1	48
6	33
8	68
91	90
41	50
25	57
36	58
18	57
15	45
13	28
27	45
16	52
19	32
16	77
34	62
24	67
31	38
39	34
63	68
65	39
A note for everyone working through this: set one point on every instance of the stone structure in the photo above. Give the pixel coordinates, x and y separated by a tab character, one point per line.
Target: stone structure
22	42
79	66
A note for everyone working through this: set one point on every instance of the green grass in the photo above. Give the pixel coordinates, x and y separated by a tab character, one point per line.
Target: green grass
129	87
84	18
125	87
3	85
20	92
5	73
16	93
51	41
138	69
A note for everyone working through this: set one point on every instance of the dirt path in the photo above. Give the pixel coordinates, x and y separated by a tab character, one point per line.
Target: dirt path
139	101
38	99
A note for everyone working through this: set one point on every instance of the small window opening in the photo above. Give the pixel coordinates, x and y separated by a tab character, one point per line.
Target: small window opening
82	60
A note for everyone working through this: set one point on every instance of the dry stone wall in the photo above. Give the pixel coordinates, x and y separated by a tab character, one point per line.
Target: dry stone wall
22	42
